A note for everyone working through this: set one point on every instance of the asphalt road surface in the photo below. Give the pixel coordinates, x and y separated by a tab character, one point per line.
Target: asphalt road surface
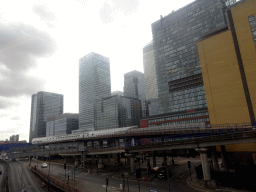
22	179
2	177
96	182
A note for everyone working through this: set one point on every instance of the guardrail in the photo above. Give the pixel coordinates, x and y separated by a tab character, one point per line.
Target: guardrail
55	182
192	140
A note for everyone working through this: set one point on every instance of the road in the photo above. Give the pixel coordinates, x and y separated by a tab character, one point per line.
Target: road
96	182
22	179
2	177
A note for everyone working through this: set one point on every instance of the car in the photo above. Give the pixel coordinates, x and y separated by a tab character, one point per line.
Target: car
161	172
44	165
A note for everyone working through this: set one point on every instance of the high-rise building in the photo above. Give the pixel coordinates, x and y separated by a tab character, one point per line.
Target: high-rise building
178	71
62	124
43	106
14	138
181	94
151	89
227	60
117	93
94	83
134	86
150	72
117	111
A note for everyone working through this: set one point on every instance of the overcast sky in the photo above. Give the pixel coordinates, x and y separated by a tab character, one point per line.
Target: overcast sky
41	43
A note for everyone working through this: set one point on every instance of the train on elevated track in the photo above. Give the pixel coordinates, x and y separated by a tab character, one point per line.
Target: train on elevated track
180	130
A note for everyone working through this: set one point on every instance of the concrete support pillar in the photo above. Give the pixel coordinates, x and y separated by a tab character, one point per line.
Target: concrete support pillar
148	163
77	162
132	165
128	161
224	157
100	163
154	159
100	143
116	143
206	168
108	158
83	156
164	158
214	157
117	158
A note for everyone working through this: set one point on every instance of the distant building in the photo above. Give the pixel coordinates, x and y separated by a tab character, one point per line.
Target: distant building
149	64
134	86
43	106
94	83
117	93
62	124
117	111
151	87
14	138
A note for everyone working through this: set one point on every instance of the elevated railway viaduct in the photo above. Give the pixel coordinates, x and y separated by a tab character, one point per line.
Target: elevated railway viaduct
154	139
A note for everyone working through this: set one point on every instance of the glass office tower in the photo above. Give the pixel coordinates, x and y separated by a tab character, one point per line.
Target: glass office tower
62	124
117	111
150	72
179	76
134	86
43	106
94	83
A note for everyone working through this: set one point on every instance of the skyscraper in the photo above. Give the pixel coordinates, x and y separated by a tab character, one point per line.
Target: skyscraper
151	89
150	72
134	86
179	76
117	111
181	93
43	106
62	124
94	83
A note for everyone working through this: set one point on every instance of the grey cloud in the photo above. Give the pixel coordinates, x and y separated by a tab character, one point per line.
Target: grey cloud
43	12
45	15
20	47
106	13
9	131
19	83
127	7
82	1
15	118
7	103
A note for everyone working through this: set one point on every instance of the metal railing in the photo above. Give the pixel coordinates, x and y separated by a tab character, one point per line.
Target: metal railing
55	182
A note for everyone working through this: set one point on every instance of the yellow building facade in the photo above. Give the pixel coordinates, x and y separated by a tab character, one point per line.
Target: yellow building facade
228	63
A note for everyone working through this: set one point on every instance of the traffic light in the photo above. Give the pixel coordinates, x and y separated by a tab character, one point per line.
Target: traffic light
106	181
65	166
76	167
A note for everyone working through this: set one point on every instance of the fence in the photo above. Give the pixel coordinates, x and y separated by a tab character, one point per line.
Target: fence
55	182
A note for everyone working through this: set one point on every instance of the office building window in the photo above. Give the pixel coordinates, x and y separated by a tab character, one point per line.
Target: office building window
253	27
